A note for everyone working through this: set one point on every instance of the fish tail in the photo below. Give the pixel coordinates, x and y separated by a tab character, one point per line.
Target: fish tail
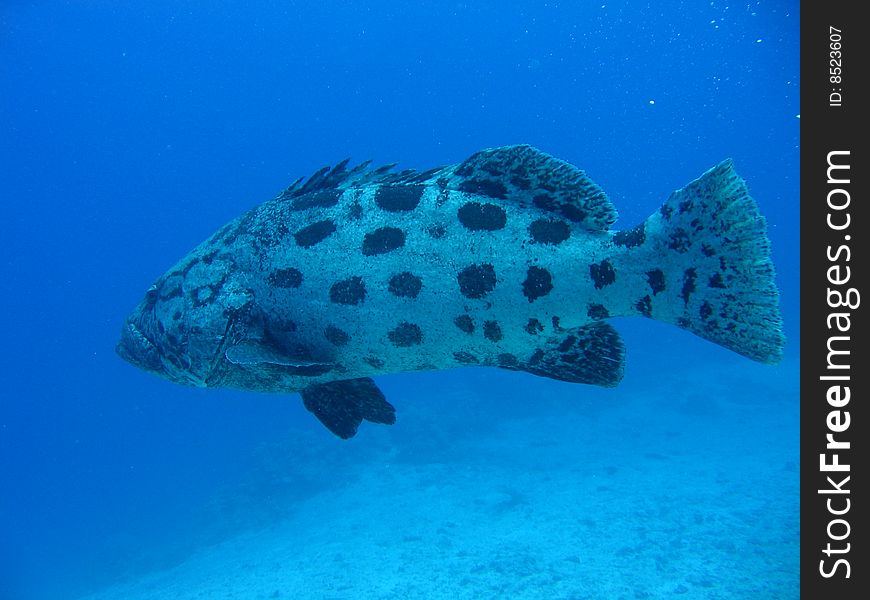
706	266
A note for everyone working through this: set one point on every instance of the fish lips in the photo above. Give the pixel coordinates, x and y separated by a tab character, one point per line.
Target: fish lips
135	347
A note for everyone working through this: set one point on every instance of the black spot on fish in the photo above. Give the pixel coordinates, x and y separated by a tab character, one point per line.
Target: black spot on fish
597	311
374	361
716	281
436	231
556	325
465	358
549	231
538	283
644	306
314	233
492	331
603	274
465	323
285	278
688	284
656	280
318	199
398	198
209	258
167	292
405	285
534	327
336	336
536	357
708	250
348	291
176	315
685	206
476	281
545	202
507	360
679	240
355	211
630	237
573	213
484	187
706	310
666	211
383	240
406	334
482	217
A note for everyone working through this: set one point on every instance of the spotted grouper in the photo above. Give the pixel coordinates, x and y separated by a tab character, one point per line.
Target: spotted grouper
505	260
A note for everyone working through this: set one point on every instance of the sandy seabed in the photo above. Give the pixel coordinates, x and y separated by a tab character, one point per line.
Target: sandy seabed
686	496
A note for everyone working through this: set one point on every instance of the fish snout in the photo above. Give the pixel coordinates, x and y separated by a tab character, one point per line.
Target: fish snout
138	350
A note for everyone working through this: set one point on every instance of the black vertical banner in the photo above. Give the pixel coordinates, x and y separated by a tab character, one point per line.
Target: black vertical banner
835	363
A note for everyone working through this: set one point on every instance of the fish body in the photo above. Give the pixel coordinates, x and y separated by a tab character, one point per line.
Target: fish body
507	260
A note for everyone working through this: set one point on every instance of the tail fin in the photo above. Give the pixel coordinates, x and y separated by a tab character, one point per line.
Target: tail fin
709	247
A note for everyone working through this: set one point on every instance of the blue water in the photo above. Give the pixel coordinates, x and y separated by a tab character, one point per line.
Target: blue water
131	131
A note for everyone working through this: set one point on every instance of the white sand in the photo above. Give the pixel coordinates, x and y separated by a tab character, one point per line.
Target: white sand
693	495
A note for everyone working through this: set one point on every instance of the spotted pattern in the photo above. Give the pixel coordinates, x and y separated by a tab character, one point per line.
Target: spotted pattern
706	310
656	280
534	327
538	283
399	198
482	217
603	274
405	285
597	312
318	199
679	240
464	323
314	233
406	334
492	331
476	281
336	336
285	278
507	360
630	238
383	240
689	276
644	306
549	231
350	291
716	281
484	187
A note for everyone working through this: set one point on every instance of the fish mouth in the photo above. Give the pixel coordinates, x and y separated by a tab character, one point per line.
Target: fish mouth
138	350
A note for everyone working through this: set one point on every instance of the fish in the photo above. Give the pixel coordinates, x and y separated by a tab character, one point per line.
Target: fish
507	260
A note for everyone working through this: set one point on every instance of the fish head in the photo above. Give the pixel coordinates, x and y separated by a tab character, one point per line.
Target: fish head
181	328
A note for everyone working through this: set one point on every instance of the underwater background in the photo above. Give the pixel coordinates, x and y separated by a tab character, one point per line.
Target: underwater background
129	132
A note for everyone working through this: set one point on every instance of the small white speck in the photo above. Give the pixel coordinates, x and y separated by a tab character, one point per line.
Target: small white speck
798	116
758	41
652	101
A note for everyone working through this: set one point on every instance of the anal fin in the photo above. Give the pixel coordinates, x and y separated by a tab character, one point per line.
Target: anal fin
592	354
342	405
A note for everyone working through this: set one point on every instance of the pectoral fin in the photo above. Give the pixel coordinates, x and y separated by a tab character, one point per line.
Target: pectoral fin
342	405
255	352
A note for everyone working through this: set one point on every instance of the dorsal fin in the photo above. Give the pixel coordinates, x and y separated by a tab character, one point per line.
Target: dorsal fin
524	175
520	174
